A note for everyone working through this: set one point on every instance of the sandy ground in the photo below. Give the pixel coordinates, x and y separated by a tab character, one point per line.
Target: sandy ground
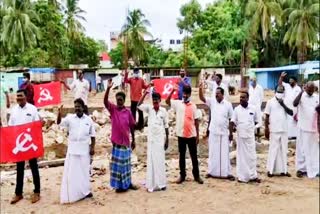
273	195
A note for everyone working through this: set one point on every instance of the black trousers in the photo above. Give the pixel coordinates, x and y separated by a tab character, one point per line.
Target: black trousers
33	163
192	145
140	113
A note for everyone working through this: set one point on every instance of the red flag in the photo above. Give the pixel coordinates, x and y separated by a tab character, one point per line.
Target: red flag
165	86
47	94
20	143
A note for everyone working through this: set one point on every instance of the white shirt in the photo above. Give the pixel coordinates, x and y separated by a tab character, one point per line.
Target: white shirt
290	93
157	121
26	114
214	86
80	89
256	95
98	79
306	112
245	119
80	131
220	115
277	116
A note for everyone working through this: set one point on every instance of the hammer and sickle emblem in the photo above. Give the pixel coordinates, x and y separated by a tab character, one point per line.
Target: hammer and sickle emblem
44	95
20	144
167	88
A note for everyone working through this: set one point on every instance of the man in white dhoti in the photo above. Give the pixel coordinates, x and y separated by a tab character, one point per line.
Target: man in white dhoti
307	147
219	138
256	95
158	139
244	119
276	131
81	141
290	93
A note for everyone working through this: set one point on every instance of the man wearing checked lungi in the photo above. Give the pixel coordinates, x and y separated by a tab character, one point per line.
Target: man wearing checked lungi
122	123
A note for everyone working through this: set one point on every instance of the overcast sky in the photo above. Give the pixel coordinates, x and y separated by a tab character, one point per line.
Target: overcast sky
104	16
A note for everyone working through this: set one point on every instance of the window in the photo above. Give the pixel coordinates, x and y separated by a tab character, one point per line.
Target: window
171	41
178	41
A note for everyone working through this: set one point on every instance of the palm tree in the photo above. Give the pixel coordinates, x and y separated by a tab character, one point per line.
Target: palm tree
262	12
73	16
303	21
18	32
133	32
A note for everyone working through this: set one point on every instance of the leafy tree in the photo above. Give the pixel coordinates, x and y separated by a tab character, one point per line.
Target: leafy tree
133	33
74	16
103	47
116	56
18	31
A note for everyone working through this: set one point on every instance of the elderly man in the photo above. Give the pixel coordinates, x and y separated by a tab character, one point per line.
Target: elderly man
122	123
137	84
244	119
219	163
81	141
80	88
256	96
24	113
187	125
291	92
307	148
276	130
158	140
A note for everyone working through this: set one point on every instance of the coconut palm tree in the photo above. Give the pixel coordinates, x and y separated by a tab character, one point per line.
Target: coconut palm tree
133	32
74	15
303	21
18	32
262	13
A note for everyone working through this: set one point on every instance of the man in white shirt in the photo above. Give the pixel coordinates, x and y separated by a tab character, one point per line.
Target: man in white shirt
4	102
99	83
276	118
244	119
158	140
81	141
256	96
307	146
24	113
291	92
80	88
221	110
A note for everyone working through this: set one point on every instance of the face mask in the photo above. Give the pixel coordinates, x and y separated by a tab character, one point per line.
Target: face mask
279	95
25	79
251	83
135	75
156	106
186	100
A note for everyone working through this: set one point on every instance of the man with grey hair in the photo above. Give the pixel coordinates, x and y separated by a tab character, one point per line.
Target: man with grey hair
307	149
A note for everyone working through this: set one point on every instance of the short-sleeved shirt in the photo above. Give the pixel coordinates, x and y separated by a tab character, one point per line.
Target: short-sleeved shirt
256	95
121	123
80	131
80	89
221	113
186	114
213	85
307	112
136	87
3	91
157	120
23	115
277	116
245	119
30	91
290	93
185	81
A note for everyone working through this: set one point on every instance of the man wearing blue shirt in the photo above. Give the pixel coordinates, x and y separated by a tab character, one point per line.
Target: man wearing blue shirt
184	81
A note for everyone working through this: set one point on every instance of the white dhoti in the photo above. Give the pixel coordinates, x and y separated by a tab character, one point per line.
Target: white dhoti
292	127
156	168
307	153
277	156
76	178
219	162
246	159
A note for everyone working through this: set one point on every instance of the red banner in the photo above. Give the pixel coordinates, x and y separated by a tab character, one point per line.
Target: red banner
20	143
47	94
165	86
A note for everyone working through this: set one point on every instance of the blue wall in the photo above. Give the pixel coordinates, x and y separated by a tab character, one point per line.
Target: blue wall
91	77
269	79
